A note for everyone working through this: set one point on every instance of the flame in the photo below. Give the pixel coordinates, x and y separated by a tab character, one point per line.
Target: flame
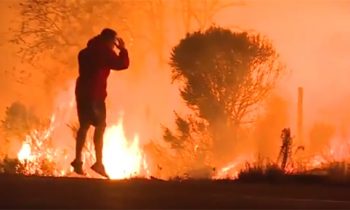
25	152
124	158
232	169
37	155
228	172
121	158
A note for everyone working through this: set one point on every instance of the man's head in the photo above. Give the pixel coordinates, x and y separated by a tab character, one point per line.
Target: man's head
109	36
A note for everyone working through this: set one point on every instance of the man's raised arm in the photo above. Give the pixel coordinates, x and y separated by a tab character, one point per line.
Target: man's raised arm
121	61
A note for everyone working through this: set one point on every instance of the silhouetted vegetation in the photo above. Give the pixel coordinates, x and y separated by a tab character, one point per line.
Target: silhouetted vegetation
260	172
18	121
224	77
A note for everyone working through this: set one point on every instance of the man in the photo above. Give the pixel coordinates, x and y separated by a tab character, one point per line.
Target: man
95	63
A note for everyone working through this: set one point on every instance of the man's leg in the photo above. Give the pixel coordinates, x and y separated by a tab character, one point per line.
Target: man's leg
83	115
80	140
100	125
98	141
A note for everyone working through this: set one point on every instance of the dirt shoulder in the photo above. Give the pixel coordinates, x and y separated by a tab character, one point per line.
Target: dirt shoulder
50	192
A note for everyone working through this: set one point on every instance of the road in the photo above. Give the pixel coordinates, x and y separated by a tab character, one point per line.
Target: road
50	192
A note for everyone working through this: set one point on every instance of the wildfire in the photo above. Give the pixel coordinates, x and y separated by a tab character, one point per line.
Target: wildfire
122	159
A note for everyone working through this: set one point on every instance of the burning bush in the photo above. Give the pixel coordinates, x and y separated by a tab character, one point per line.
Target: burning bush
38	157
37	154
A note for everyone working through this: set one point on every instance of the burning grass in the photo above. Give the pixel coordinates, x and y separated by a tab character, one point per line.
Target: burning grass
333	172
41	151
127	158
38	156
259	172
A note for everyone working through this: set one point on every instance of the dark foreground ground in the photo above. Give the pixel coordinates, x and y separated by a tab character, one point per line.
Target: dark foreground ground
44	192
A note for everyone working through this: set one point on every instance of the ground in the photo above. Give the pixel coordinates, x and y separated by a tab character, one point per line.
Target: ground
50	192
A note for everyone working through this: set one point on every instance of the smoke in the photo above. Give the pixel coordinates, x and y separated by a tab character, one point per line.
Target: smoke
269	127
312	37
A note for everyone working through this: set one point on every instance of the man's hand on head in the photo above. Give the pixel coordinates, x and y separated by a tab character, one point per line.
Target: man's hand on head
121	44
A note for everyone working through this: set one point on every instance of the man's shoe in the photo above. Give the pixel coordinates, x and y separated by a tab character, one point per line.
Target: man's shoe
100	169
78	167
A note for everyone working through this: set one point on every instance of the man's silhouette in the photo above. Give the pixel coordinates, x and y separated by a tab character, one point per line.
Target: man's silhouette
95	63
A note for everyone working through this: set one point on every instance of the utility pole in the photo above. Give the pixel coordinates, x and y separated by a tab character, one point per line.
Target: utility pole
300	119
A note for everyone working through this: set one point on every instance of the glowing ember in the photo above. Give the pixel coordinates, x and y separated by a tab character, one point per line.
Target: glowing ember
316	162
231	170
228	172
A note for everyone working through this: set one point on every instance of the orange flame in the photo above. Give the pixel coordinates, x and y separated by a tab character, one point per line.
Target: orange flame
25	153
122	159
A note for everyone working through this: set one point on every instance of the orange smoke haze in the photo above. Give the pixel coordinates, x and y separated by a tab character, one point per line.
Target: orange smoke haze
312	37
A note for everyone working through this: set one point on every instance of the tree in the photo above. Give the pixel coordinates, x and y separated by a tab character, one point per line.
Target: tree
53	31
224	75
59	28
59	24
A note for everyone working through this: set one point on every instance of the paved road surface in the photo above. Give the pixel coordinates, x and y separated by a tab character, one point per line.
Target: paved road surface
41	192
